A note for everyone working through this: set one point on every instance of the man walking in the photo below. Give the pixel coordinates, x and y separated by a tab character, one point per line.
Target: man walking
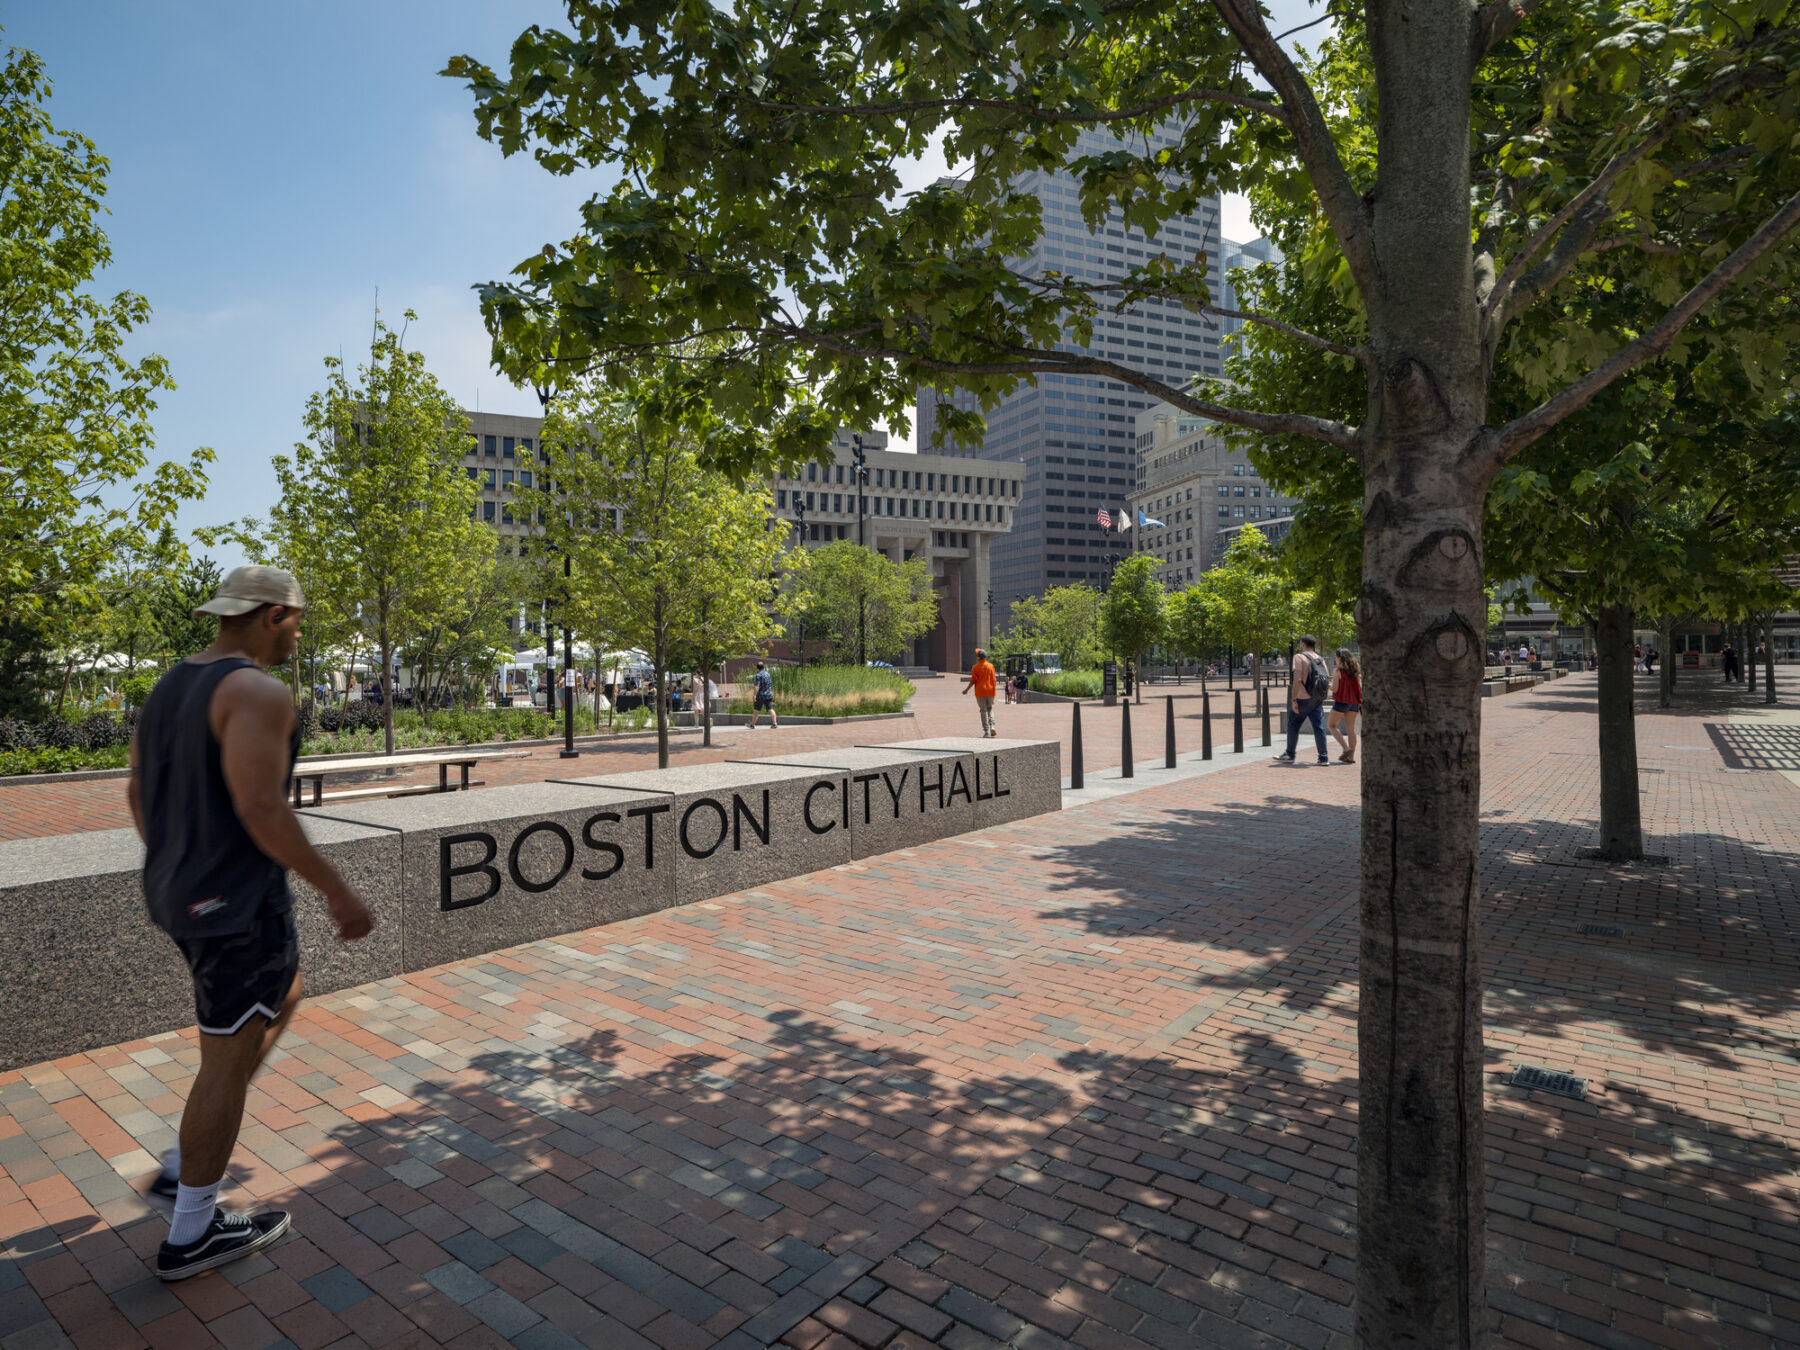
981	680
1728	662
210	766
1306	696
762	698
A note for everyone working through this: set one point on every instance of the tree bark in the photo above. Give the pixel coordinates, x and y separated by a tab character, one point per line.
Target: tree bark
1422	621
1665	673
1750	627
1768	627
386	677
662	694
1621	825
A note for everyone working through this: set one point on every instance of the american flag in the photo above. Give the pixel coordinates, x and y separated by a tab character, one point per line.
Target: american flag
1104	518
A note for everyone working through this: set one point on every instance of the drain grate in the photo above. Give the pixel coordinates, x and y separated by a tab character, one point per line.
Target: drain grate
1548	1080
1602	930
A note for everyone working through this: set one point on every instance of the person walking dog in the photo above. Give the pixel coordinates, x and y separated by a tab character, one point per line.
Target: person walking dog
210	766
981	680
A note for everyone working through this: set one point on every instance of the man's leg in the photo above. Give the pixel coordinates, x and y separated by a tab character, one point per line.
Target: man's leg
1315	715
1293	729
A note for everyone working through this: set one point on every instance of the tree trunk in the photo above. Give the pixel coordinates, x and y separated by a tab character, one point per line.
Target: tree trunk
660	657
1665	674
1750	655
1768	627
1422	621
1621	827
386	677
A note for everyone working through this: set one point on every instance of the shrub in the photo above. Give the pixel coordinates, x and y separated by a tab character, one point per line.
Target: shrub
1069	683
137	687
835	691
50	759
96	731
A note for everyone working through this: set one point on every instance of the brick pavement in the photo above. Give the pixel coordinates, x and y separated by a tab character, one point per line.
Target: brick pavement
1083	1080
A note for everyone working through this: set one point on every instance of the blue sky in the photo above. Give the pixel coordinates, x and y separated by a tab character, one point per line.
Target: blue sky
272	165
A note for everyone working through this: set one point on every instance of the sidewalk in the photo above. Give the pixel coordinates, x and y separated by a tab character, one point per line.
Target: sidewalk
1084	1080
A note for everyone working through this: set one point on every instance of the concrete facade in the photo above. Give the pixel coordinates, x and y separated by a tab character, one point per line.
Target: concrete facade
1202	491
948	509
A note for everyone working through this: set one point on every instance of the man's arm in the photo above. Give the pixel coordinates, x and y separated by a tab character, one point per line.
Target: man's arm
1297	693
253	718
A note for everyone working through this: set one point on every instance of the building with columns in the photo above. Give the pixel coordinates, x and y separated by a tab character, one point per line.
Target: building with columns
947	508
950	509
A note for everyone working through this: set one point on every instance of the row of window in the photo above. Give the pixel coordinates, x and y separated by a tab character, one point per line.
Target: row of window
1256	512
892	506
507	447
914	480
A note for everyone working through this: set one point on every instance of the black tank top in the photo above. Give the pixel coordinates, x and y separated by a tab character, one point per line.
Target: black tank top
203	874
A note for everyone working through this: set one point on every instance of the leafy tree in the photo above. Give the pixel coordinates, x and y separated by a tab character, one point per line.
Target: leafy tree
1252	598
864	600
1193	627
1064	620
1132	613
374	510
670	552
754	155
172	600
75	432
25	674
457	638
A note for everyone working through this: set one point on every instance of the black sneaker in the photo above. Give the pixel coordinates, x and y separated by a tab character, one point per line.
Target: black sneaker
228	1237
166	1186
1283	759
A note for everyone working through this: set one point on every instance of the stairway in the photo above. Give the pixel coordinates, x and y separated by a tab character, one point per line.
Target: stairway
917	673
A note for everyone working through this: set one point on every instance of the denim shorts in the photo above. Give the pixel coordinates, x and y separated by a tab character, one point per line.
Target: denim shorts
1346	707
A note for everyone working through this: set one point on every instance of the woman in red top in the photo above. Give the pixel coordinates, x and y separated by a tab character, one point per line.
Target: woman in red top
1346	703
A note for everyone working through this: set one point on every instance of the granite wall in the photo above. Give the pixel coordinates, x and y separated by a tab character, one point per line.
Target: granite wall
459	874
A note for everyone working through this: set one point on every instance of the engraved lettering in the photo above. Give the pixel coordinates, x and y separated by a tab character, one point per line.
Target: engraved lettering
687	844
649	813
937	787
823	785
998	790
447	871
865	779
895	789
959	783
740	812
601	845
512	857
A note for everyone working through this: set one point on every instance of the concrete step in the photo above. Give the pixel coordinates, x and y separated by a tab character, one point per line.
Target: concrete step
919	672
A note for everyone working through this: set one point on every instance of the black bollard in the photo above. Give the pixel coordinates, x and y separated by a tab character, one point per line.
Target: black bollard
1075	775
1205	725
1266	741
1125	741
1237	721
1169	734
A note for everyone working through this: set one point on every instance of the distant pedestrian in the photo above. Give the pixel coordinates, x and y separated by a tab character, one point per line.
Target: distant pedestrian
981	680
762	698
1728	662
1306	696
1650	659
1346	704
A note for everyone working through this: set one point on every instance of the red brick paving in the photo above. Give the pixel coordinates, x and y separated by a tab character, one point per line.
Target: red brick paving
1083	1080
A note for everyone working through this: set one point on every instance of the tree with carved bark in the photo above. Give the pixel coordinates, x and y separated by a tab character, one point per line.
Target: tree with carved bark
755	152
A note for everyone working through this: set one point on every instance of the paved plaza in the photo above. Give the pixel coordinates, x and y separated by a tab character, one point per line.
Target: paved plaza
1087	1079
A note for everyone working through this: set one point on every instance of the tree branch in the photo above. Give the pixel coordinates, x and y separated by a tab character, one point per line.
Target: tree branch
1225	96
1522	431
1496	22
1343	204
1247	316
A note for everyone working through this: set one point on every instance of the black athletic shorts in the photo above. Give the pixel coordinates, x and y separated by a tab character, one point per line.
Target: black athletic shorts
763	703
241	974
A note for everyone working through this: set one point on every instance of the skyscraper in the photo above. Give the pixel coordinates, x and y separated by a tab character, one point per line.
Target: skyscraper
1076	434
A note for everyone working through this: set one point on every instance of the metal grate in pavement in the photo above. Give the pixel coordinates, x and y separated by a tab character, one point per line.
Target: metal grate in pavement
1549	1080
1602	930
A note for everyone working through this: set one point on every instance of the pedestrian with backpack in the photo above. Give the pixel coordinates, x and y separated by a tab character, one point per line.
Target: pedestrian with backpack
1306	696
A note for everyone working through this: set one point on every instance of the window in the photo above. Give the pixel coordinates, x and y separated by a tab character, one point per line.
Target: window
525	446
506	478
490	480
781	499
525	478
1237	470
1224	490
488	446
1238	511
841	530
487	511
840	477
837	501
473	472
1224	510
809	505
506	447
1238	491
812	473
878	474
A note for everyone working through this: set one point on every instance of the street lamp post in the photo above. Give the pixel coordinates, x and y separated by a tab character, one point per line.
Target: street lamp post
569	751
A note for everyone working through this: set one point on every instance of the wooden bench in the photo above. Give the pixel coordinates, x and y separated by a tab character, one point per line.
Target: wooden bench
460	759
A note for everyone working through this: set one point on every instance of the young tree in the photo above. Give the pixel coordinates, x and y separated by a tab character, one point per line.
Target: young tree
172	599
1253	600
375	510
1193	627
863	600
754	151
75	432
663	547
1064	620
1132	613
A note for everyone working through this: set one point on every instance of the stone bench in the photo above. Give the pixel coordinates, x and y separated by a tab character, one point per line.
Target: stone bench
458	874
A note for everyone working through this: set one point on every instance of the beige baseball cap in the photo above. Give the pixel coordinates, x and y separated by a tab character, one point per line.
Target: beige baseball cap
245	588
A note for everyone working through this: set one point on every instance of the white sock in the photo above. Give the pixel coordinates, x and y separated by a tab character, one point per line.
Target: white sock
194	1206
172	1162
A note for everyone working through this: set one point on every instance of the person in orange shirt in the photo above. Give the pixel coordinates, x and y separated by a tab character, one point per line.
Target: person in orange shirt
981	680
